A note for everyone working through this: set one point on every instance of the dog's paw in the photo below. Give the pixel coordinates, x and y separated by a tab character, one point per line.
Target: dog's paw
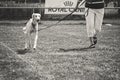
24	28
34	48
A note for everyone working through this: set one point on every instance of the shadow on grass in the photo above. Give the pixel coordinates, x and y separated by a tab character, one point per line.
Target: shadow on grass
13	68
75	49
22	51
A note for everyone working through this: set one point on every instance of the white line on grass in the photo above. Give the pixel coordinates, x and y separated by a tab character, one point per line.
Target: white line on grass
34	68
8	47
16	54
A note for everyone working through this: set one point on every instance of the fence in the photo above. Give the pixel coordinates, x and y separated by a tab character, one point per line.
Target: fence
18	13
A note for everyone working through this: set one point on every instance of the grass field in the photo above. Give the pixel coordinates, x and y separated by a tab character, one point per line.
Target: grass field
60	54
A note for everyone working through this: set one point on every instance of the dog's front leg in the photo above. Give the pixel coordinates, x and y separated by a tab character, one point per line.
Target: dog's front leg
26	40
36	37
30	43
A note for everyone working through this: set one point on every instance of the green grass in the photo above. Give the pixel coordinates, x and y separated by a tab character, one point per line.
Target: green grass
60	54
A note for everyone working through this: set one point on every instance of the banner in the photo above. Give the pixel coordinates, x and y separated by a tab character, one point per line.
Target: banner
62	7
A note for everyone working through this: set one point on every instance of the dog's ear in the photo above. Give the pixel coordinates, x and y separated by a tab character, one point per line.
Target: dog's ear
40	15
33	15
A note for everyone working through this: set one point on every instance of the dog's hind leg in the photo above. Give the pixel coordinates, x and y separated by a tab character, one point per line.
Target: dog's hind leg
30	43
26	41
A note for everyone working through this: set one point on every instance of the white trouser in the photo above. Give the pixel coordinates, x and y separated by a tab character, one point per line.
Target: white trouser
94	19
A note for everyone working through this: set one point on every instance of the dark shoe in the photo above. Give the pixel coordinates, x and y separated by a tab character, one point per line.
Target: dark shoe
91	40
95	40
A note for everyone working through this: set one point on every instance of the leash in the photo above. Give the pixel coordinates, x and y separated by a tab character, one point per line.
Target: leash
78	2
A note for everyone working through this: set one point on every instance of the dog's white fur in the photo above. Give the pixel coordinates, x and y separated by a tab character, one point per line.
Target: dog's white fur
31	26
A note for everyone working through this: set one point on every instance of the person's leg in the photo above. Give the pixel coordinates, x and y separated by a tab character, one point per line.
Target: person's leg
98	23
90	26
99	19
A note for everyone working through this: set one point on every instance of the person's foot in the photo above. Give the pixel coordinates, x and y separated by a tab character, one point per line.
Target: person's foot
95	40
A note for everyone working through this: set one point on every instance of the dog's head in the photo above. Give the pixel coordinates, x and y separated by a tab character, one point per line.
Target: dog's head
36	17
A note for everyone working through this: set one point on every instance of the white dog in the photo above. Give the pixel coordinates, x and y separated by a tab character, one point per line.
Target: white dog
31	26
